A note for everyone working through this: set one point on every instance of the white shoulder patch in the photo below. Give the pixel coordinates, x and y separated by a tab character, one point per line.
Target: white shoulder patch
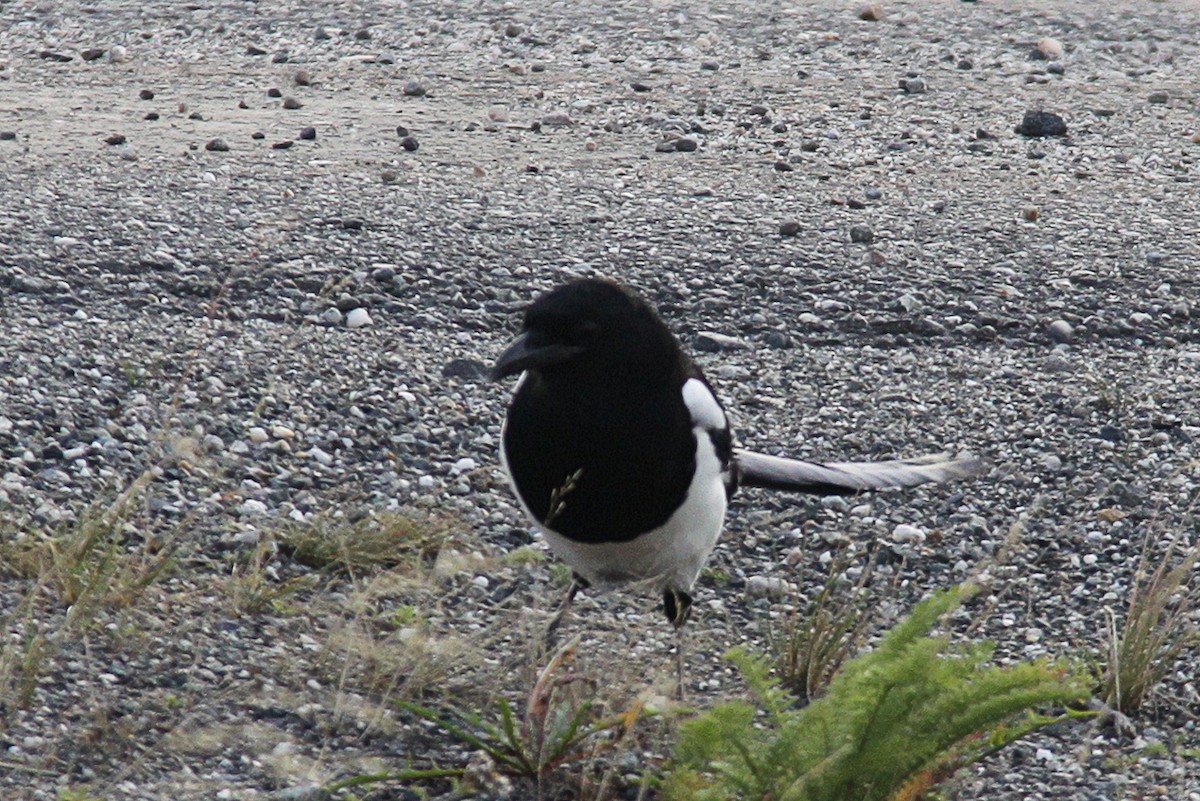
702	405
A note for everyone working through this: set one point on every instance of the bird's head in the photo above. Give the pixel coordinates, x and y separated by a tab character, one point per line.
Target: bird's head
588	321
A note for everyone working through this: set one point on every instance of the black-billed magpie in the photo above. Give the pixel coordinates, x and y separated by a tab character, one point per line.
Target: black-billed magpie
623	457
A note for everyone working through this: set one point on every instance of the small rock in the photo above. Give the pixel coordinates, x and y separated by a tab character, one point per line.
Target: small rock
712	342
1060	331
282	432
469	369
557	118
409	143
274	91
258	435
50	55
255	50
308	132
321	35
7	136
789	228
358	318
685	145
389	176
117	54
783	166
114	139
258	135
1042	123
146	94
906	534
414	89
765	587
331	316
710	66
216	145
290	102
872	12
284	145
1047	49
1158	99
913	86
1031	213
861	234
302	78
92	53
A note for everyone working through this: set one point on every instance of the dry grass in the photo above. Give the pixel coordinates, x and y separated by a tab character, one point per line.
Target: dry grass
1157	628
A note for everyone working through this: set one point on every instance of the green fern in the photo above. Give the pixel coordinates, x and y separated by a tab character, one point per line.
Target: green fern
894	721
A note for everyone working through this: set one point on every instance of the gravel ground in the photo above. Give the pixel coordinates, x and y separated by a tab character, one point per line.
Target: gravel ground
291	330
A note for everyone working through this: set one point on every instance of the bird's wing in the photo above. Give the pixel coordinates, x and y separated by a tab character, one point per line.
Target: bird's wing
847	478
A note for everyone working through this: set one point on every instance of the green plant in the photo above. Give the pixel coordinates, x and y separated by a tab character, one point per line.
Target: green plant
811	644
561	724
894	721
1156	629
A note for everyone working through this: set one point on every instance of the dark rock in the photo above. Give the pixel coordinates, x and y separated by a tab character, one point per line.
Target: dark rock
861	234
115	139
279	58
216	146
308	132
7	136
92	53
146	94
468	369
789	228
1042	123
292	103
409	143
284	145
783	166
274	92
401	131
255	50
151	115
50	55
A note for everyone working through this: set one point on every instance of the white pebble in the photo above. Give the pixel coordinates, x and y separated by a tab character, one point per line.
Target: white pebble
464	465
251	506
357	318
258	434
331	316
905	533
282	432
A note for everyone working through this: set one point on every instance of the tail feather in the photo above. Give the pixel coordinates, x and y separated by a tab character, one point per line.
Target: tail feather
848	478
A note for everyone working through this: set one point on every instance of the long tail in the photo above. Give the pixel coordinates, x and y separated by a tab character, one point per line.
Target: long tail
848	478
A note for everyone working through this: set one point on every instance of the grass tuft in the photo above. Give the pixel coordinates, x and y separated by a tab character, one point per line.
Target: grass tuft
1156	630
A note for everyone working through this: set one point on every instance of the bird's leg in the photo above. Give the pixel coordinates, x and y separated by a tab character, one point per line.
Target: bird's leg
677	605
578	583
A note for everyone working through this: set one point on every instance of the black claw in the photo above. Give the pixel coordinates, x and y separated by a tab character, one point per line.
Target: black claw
677	605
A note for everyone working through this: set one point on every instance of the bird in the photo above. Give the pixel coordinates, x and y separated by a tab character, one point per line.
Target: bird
621	454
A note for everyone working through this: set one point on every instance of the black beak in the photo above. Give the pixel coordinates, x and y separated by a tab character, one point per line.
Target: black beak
522	355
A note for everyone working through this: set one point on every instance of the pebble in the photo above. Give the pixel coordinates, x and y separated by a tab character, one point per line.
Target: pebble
258	435
1060	331
7	136
409	143
556	119
1042	123
302	78
712	342
1047	49
282	145
906	534
872	12
117	54
414	89
308	133
913	86
766	587
331	316
92	53
1158	98
146	94
789	228
1031	213
290	102
216	145
358	318
282	432
861	234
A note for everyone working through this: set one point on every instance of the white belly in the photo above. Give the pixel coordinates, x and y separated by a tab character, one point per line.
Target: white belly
675	552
